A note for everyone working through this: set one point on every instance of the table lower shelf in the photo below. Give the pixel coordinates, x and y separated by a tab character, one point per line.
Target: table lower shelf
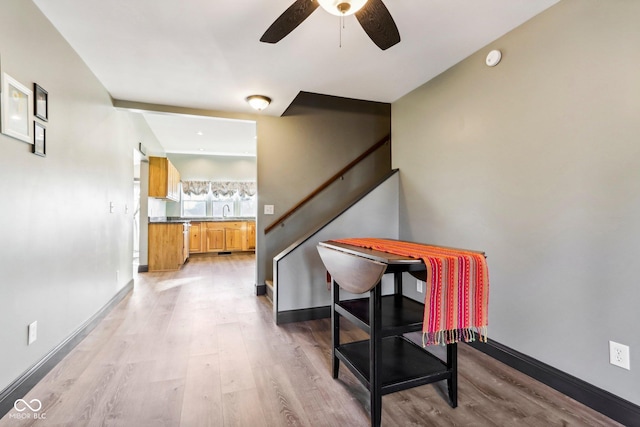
399	314
404	364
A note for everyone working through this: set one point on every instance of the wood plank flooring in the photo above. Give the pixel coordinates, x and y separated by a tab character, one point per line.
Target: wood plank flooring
197	348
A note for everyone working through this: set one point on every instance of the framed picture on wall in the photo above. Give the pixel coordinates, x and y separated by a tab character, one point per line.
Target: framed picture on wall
39	139
41	99
17	109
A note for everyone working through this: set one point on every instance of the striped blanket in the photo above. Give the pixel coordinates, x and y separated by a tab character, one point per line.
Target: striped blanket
457	289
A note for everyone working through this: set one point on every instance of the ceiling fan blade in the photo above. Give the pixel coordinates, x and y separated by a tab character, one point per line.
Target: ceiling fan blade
378	24
289	20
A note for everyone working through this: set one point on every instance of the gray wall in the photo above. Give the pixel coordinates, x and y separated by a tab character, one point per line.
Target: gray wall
301	277
537	162
317	137
61	246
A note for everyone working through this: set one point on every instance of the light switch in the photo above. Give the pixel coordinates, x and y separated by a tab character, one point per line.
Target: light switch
111	207
268	209
32	332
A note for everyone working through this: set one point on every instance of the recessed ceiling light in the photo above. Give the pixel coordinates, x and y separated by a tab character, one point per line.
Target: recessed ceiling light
201	149
199	133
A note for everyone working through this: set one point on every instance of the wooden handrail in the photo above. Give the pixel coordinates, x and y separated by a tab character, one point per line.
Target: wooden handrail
327	183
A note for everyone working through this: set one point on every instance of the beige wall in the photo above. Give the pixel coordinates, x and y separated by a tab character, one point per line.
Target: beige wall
61	246
537	162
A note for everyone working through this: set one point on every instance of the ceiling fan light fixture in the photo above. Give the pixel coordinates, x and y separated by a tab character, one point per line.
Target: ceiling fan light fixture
342	7
258	102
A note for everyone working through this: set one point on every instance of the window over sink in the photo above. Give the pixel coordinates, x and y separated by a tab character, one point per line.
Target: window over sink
218	199
194	208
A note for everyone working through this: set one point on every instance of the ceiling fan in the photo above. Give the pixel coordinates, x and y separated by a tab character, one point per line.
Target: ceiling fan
373	16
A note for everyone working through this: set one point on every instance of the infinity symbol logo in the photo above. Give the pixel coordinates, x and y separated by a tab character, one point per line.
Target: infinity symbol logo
35	408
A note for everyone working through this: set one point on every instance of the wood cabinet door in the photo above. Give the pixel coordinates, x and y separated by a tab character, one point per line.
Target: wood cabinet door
174	183
215	238
158	177
185	246
164	179
165	247
233	238
195	237
251	236
170	191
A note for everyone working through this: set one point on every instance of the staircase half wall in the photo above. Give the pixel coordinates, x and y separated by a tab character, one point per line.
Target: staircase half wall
300	280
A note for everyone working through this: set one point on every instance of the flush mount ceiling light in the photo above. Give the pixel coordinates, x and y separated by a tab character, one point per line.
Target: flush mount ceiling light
342	7
258	102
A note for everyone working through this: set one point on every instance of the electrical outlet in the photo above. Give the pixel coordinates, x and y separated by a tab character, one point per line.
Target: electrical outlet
33	332
619	355
419	285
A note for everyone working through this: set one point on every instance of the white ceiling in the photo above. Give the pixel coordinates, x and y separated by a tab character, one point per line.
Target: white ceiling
207	54
203	135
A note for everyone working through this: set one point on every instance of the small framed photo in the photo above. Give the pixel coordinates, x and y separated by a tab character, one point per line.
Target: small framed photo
40	139
17	109
41	99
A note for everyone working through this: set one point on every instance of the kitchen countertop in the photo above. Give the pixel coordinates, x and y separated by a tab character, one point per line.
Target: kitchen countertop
171	220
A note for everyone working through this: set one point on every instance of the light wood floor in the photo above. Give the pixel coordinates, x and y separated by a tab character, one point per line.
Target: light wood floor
198	348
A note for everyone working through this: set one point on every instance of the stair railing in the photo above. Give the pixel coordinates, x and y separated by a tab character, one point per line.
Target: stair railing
327	183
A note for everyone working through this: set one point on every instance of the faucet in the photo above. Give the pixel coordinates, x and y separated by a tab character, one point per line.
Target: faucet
225	206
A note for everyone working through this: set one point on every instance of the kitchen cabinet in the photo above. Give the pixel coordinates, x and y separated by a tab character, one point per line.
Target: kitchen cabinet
164	179
234	236
215	237
168	246
196	232
185	242
222	236
250	241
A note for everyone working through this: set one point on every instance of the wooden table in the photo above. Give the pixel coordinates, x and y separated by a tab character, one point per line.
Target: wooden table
388	361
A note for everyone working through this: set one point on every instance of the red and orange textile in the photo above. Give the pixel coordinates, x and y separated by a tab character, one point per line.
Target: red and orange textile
457	289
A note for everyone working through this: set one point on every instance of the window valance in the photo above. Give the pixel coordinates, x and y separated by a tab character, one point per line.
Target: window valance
247	189
228	189
195	188
221	189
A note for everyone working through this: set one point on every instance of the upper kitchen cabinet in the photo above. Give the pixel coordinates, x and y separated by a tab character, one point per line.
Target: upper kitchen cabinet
164	179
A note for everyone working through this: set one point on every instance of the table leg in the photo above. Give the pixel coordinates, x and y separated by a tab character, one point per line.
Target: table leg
397	288
452	366
397	283
335	327
375	351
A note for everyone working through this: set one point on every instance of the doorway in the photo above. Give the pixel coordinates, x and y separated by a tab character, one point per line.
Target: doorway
219	151
137	158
